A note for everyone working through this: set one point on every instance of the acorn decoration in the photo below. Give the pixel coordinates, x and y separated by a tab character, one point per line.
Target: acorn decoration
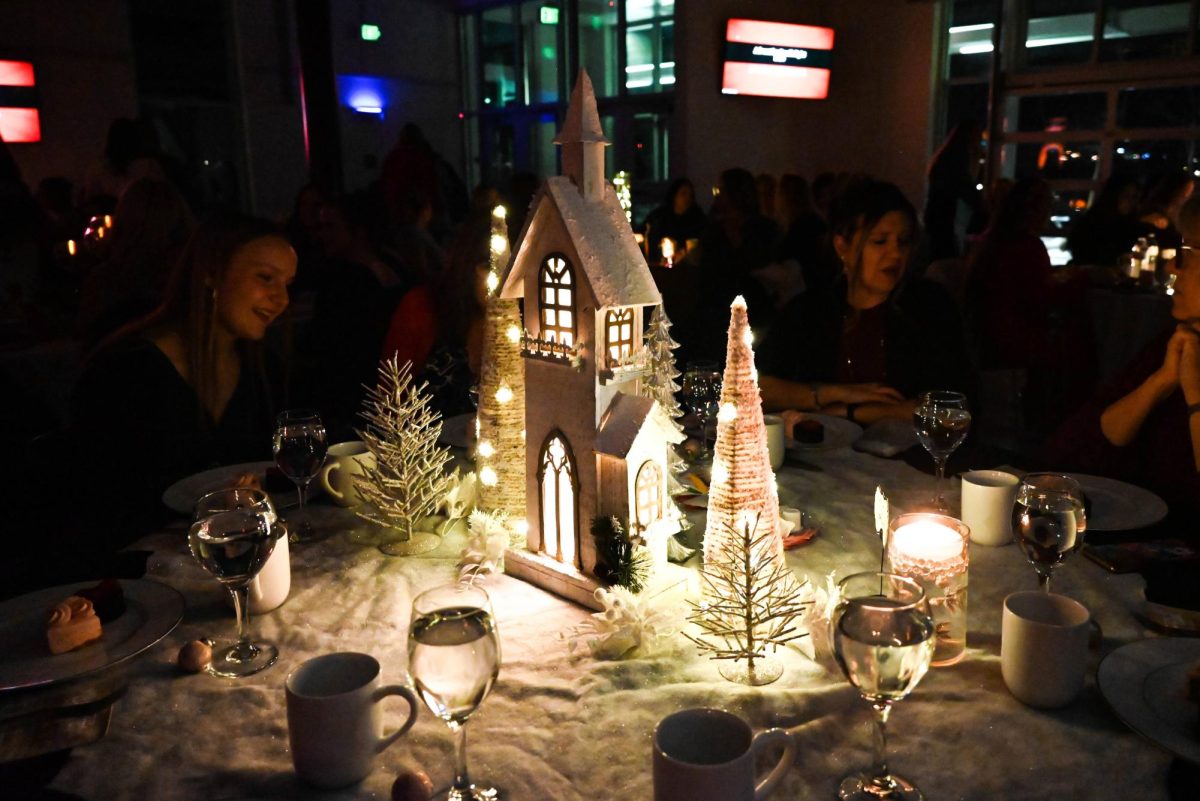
195	657
412	785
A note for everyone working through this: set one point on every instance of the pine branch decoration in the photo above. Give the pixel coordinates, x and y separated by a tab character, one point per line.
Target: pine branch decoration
751	601
621	559
409	479
660	384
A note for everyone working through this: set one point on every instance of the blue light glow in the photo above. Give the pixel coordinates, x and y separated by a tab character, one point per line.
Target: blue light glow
365	94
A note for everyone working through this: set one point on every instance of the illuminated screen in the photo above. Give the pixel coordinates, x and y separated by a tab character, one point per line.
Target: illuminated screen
776	59
19	121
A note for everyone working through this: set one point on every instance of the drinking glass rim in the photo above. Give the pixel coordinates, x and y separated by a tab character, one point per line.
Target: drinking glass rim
895	604
295	416
252	491
1071	480
456	587
942	395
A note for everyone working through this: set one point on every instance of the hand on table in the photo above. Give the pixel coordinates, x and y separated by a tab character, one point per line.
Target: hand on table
868	393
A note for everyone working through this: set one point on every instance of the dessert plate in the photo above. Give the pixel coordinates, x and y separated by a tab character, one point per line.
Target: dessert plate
1117	506
1145	682
152	610
182	495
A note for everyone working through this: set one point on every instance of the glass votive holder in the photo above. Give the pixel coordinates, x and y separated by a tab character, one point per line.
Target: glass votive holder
934	549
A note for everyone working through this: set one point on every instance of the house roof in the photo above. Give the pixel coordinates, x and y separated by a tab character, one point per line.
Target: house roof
626	418
603	239
582	123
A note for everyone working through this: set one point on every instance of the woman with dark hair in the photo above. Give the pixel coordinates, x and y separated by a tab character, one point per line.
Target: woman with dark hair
678	218
185	389
953	197
864	349
1108	228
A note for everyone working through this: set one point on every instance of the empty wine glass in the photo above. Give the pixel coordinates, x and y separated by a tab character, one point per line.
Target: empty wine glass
702	394
883	639
454	658
942	422
299	447
232	537
1049	521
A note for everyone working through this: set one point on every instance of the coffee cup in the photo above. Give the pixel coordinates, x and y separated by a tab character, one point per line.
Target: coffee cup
335	725
344	463
775	439
987	505
270	588
709	755
1043	647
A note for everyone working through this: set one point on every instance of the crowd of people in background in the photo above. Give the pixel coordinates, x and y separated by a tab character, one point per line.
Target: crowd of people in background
858	301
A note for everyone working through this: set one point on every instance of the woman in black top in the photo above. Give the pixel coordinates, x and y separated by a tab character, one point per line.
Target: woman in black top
867	347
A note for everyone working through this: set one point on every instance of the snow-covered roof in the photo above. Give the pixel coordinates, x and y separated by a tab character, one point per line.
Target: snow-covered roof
626	418
582	123
609	255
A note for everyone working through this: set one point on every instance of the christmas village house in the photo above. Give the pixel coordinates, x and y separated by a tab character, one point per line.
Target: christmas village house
593	445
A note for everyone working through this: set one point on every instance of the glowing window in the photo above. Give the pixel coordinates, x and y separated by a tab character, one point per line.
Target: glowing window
618	327
557	292
648	488
557	479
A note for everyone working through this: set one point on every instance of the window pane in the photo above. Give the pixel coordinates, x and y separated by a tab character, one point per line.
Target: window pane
551	316
1136	29
1058	160
598	44
1150	159
540	47
636	10
650	57
543	154
1059	32
1168	107
970	40
499	57
650	147
1073	112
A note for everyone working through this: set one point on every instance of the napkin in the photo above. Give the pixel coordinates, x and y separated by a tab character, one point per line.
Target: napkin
887	438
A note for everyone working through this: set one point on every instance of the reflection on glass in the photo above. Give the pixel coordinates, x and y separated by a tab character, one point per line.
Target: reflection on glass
498	55
1077	111
1059	32
1135	29
969	45
1160	107
540	47
1058	160
598	44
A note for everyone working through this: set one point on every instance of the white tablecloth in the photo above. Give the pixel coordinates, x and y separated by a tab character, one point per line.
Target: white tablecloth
561	725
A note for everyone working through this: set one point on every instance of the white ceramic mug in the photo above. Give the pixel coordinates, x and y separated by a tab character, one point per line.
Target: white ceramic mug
987	505
1043	647
335	727
790	519
775	439
343	463
270	588
709	755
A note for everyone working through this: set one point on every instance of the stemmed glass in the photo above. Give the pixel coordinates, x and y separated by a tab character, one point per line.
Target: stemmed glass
702	394
299	447
232	537
1049	521
454	658
883	639
942	422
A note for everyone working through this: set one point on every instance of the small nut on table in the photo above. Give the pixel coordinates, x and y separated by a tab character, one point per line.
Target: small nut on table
412	785
195	656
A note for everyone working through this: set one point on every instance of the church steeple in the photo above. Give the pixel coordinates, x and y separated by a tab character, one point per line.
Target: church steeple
582	140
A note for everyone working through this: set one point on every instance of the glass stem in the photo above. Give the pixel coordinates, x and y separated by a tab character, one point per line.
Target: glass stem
462	781
1044	581
300	487
939	463
241	607
882	711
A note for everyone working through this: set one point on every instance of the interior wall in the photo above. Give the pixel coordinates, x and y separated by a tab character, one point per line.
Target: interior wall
418	58
83	64
875	120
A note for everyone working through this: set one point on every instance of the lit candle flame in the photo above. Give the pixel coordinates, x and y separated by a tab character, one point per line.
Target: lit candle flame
668	251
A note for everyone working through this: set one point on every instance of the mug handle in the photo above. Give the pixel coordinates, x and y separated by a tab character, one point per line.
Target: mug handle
329	468
762	741
396	689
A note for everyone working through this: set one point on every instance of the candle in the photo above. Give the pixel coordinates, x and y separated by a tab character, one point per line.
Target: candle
933	549
668	251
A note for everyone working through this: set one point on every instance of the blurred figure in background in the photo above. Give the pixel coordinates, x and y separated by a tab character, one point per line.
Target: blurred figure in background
803	234
677	218
1109	227
130	153
953	196
1160	211
764	182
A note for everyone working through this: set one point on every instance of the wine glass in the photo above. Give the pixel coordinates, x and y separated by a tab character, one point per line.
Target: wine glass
454	658
883	639
942	422
232	537
299	447
1049	521
702	394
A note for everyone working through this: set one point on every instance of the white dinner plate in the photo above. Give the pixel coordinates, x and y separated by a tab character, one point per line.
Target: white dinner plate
839	433
458	431
1117	506
1145	682
152	610
182	495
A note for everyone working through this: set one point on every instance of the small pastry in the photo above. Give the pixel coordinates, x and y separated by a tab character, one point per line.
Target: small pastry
412	785
195	656
72	624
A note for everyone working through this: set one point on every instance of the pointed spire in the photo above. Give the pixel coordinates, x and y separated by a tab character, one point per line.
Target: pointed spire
582	140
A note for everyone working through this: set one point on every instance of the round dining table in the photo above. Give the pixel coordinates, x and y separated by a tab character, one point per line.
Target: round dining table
561	724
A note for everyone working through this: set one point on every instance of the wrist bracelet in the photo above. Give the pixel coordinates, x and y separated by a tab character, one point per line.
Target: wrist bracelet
1193	408
816	391
850	409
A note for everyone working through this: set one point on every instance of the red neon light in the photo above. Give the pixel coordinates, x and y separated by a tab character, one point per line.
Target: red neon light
20	125
16	73
780	34
773	80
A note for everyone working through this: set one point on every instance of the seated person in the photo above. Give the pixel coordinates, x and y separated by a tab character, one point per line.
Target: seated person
1144	427
867	347
185	389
